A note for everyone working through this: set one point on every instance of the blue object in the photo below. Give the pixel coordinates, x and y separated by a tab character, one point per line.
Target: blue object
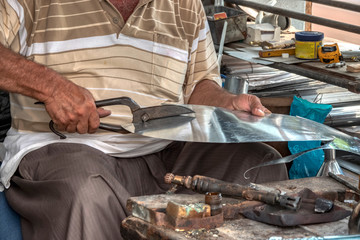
309	36
308	164
10	227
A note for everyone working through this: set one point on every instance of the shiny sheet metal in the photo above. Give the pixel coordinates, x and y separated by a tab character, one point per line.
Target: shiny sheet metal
340	142
218	125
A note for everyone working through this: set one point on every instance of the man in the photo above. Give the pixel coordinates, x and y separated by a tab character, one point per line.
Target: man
71	53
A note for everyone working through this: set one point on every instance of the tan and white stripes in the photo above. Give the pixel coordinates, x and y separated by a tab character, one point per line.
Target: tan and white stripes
157	56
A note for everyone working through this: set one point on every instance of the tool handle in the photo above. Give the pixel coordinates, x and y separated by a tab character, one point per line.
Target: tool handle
103	126
204	184
102	103
257	192
118	101
249	192
207	184
52	128
113	128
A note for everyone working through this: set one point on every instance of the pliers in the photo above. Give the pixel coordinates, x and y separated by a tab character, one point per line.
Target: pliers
139	114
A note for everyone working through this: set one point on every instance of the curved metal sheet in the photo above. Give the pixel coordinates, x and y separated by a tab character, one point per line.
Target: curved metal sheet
218	125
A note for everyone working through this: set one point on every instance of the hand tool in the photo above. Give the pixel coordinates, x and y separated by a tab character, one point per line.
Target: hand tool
140	115
343	180
219	125
336	64
276	52
202	184
330	53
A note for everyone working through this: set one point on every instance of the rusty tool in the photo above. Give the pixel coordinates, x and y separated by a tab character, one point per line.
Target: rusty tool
140	115
345	181
251	191
321	205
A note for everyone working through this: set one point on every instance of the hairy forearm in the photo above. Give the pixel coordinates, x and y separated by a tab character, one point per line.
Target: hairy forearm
209	93
25	77
71	107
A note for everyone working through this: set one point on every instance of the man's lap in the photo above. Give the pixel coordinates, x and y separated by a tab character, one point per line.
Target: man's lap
66	173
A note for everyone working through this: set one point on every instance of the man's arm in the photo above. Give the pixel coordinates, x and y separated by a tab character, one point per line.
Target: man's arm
70	106
209	93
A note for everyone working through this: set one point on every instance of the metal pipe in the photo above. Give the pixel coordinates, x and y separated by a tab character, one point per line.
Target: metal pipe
222	41
342	5
297	15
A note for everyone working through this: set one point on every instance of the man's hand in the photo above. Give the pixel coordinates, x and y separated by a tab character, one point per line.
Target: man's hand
249	103
71	107
209	93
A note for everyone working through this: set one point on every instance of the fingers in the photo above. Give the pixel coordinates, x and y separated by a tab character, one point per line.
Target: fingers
103	112
73	110
256	106
83	124
93	123
250	103
258	112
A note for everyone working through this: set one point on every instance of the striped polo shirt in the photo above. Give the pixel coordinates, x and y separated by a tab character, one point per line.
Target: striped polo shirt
157	56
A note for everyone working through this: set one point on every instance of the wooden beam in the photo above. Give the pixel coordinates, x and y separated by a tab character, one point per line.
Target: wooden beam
308	10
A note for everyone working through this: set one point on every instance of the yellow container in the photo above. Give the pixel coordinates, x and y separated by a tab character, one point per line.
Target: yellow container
307	44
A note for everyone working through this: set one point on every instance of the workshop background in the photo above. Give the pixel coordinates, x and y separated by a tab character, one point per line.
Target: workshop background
244	71
288	85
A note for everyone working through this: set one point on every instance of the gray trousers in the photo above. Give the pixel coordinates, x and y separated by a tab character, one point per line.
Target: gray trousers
72	191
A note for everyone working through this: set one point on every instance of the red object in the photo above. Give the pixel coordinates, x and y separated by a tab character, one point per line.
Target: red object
221	15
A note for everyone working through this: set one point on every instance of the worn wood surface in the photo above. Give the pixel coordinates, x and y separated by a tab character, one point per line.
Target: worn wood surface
339	72
240	228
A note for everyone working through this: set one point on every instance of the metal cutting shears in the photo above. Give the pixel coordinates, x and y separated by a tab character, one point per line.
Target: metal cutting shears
139	114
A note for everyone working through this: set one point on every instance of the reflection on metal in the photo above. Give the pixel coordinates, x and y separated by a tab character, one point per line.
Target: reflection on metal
236	84
345	143
218	125
222	41
344	116
330	165
219	3
268	82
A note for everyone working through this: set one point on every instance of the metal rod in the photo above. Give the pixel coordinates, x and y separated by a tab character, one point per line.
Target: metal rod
337	81
222	41
297	15
342	5
341	180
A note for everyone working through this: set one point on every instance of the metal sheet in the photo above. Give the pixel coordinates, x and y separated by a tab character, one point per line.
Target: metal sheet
218	125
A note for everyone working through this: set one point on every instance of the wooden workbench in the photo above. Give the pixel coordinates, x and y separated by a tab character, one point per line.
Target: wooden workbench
240	228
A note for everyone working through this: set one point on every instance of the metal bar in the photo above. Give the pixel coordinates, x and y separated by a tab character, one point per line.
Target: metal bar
352	86
338	4
342	180
297	15
222	41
